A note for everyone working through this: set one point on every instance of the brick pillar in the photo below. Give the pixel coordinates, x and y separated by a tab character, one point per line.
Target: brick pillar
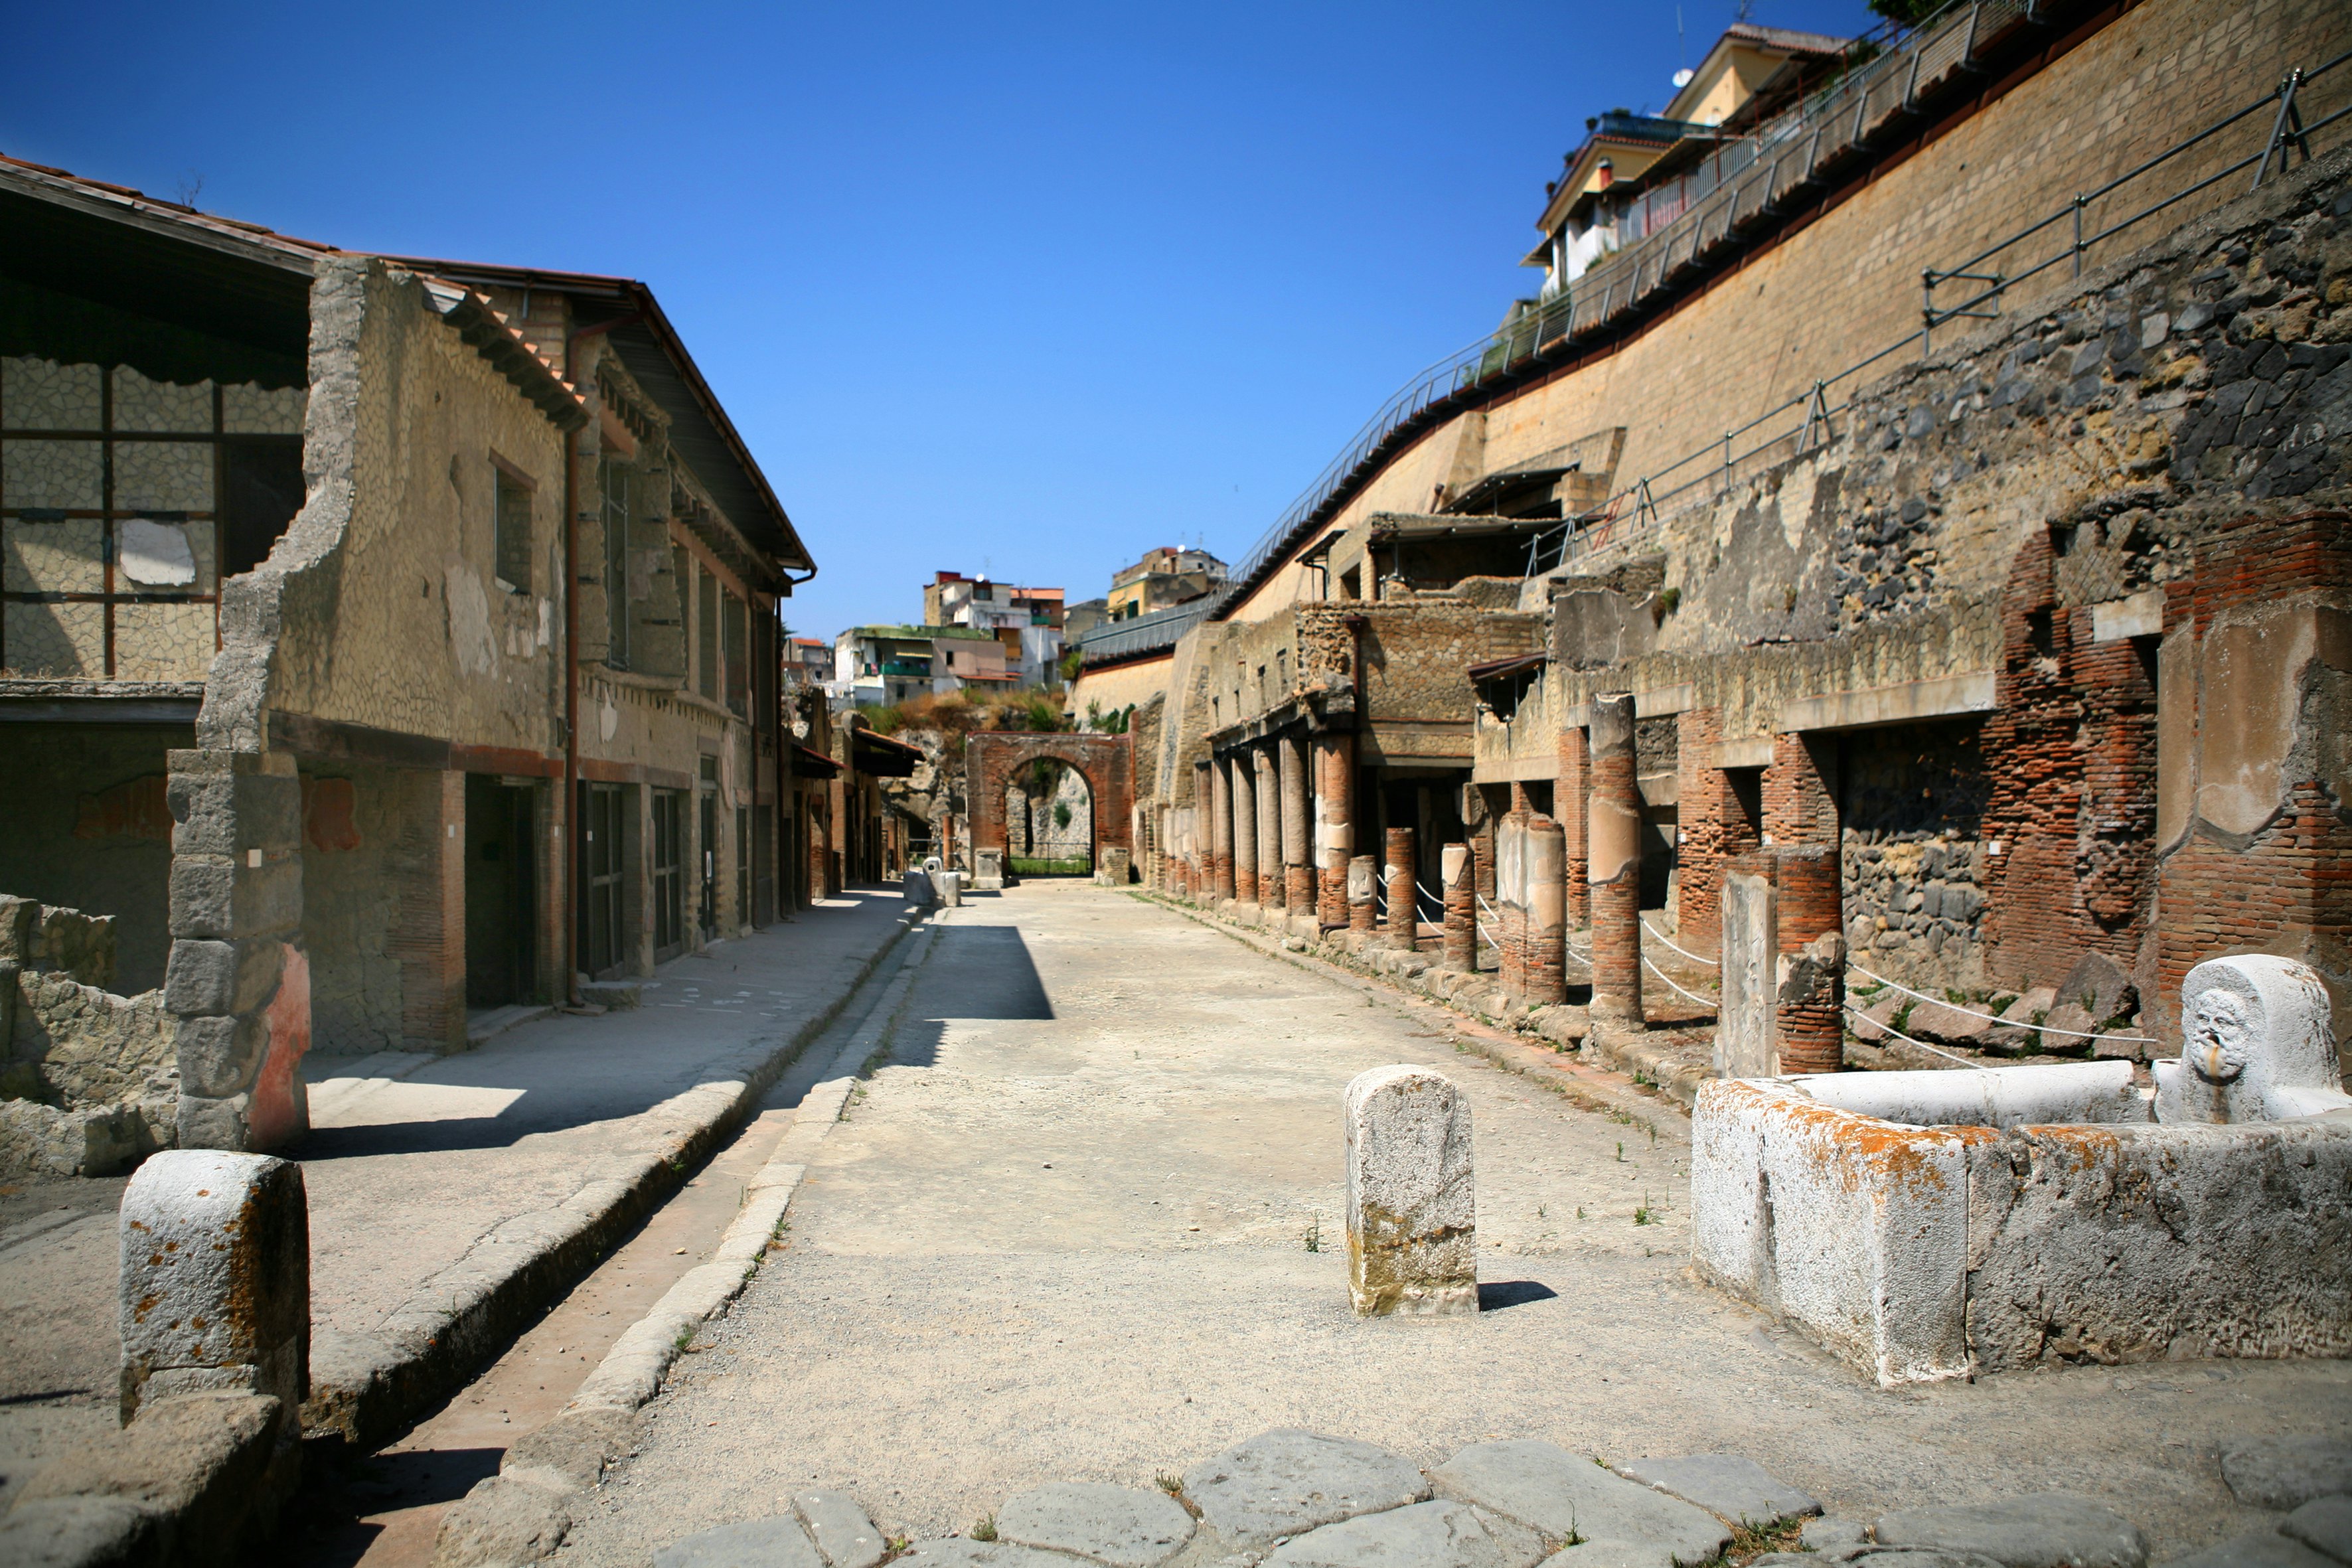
1810	1018
1199	845
1244	775
1801	790
1269	827
1335	833
1703	831
1405	914
1568	809
1297	859
1461	908
1364	876
1543	954
237	981
1221	827
1613	871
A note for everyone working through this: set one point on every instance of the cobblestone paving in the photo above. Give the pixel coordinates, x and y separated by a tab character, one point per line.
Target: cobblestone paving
1063	1236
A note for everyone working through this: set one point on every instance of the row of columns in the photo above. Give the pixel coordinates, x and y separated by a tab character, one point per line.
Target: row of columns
1263	846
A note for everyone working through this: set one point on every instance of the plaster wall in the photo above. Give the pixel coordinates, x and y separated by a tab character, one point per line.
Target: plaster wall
87	826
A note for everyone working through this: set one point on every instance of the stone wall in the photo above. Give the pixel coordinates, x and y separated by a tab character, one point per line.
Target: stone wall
88	1080
1842	283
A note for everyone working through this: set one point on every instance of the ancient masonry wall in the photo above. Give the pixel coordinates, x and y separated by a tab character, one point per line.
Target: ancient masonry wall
1844	284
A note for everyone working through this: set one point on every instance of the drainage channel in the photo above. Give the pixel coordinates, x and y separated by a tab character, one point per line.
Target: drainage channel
384	1510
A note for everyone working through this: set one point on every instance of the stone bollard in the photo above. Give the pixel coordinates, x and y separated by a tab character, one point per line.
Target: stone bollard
1364	876
1404	904
1112	865
1461	908
215	1281
1412	1232
988	868
951	886
917	890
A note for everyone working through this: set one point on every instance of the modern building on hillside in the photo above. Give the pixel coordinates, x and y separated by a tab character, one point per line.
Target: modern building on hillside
384	644
807	660
1027	621
1164	577
875	666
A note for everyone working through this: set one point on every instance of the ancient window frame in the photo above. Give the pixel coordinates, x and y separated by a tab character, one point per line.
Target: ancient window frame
616	555
108	514
507	550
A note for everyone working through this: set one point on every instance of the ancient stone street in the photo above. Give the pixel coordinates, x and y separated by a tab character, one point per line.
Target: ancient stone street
1062	1235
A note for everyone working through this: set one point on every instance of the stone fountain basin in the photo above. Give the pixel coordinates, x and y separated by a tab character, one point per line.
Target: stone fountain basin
1925	1226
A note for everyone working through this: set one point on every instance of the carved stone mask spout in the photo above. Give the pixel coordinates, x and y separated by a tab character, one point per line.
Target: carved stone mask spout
2216	1043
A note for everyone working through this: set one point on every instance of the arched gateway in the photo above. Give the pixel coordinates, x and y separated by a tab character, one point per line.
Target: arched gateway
993	758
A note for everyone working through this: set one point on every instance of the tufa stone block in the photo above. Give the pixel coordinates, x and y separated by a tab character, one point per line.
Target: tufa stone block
205	977
1124	1527
1411	1200
216	1278
223	899
229	811
1285	1482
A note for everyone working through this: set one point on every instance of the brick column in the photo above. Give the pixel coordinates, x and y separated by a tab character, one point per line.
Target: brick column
1568	809
1199	851
1335	833
1613	812
1404	915
1461	908
1298	858
1801	790
1703	830
1810	1018
1244	775
1221	827
1543	954
1269	827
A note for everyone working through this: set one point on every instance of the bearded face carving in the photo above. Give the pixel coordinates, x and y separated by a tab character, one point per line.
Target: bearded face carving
2219	1037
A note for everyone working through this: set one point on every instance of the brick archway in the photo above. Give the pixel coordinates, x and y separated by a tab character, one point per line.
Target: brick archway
992	757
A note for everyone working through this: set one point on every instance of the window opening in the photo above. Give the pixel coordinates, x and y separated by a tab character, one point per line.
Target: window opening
601	854
617	564
669	868
513	529
706	634
735	627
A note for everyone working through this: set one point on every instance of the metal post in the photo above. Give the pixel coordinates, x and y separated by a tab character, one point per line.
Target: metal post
2078	236
1726	461
1926	307
2287	128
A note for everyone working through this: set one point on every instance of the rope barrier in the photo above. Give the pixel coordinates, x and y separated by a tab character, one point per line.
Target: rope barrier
1988	1018
1702	1001
1686	952
1949	1055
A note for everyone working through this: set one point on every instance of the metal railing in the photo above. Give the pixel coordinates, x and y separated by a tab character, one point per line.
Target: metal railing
1746	179
1141	634
1809	419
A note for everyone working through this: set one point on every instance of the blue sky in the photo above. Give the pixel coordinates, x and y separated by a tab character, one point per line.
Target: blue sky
1027	289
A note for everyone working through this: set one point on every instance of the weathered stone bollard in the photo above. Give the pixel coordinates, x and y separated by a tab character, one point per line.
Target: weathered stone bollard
917	890
1364	876
1112	866
988	868
216	1282
1412	1231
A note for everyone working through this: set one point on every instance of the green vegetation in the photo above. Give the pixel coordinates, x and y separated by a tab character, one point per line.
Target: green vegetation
1023	866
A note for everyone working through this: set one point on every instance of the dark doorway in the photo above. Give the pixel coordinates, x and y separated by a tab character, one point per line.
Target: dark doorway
601	879
709	912
501	958
669	873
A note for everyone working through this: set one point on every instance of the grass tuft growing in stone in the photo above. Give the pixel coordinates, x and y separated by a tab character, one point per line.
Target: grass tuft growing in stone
985	1529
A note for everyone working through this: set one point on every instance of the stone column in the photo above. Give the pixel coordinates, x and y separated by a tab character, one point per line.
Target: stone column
1545	954
1221	829
1404	913
1335	833
235	979
1269	827
1809	1019
1244	774
1363	908
1511	894
1461	909
1411	1200
1568	800
1613	807
1298	858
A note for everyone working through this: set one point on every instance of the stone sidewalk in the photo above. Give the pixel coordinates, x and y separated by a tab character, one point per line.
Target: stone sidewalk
452	1199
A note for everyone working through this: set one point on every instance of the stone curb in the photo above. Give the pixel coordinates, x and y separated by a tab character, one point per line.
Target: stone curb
366	1387
521	1514
1547	1063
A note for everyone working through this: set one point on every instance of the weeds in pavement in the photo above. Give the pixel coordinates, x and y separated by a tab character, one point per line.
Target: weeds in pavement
985	1529
1579	1211
685	1338
1315	1233
1748	1543
1621	1150
1173	1485
1642	1216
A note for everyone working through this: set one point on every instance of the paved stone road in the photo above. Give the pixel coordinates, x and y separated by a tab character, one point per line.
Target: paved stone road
1062	1239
